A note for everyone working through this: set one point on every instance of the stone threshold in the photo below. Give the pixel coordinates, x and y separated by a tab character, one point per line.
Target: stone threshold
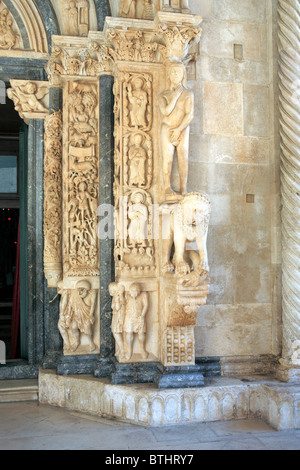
221	398
12	391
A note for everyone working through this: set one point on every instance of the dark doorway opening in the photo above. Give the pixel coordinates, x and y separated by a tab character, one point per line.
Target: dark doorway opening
10	125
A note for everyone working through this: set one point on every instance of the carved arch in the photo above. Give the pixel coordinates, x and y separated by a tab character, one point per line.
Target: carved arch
31	24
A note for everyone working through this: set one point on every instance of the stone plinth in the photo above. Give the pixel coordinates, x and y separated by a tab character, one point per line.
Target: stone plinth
144	404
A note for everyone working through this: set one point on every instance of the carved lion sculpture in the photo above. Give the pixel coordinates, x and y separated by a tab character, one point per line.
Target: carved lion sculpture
188	223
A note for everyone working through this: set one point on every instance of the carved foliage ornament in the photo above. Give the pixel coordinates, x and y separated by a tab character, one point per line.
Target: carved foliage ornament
71	62
82	200
52	198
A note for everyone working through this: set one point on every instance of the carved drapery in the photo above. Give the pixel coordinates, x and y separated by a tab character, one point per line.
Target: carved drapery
289	84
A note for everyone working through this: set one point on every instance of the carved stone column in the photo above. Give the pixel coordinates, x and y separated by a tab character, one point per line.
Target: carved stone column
154	302
289	83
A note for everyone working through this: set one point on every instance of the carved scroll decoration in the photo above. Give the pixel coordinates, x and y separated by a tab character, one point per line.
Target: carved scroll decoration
53	198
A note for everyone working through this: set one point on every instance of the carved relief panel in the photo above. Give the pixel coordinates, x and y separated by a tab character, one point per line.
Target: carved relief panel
9	34
135	322
81	179
53	198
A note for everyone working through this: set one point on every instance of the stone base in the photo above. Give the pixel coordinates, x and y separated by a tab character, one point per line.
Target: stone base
76	365
134	373
221	399
289	375
179	377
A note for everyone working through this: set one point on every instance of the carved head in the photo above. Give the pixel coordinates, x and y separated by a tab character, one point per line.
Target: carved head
135	290
137	139
176	73
83	288
137	198
138	83
30	88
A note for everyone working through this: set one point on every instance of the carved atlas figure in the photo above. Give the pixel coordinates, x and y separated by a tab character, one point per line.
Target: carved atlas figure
177	109
135	320
77	315
118	305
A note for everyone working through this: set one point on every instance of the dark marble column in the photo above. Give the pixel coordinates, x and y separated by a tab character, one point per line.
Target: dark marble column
36	279
107	347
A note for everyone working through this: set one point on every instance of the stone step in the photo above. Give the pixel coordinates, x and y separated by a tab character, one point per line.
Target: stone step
18	390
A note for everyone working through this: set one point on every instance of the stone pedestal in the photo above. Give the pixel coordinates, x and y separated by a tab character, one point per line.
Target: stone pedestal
179	377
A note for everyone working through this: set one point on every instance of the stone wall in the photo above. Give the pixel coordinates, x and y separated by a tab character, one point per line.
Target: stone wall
235	160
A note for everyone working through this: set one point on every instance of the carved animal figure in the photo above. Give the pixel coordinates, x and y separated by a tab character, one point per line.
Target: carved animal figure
188	223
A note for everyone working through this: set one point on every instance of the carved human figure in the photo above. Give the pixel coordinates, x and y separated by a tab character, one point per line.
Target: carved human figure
177	109
8	38
128	8
27	97
137	159
72	9
138	215
176	4
77	315
85	201
135	320
138	99
117	292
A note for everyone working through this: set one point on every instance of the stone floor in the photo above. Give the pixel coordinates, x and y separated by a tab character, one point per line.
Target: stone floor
30	426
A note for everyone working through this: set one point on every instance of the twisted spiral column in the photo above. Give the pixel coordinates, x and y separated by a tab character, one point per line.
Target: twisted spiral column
289	96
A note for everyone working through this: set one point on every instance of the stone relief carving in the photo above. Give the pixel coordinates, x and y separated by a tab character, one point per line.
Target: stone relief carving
139	9
138	160
117	291
83	181
188	223
88	62
134	247
77	317
175	5
128	8
129	319
179	40
137	46
31	99
177	110
77	17
9	39
138	101
52	198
